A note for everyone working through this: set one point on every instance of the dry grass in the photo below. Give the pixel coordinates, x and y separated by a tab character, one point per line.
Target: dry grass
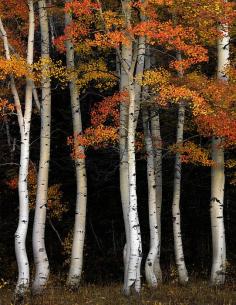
198	293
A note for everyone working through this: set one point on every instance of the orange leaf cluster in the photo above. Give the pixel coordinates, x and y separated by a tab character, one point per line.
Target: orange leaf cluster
16	67
107	111
192	153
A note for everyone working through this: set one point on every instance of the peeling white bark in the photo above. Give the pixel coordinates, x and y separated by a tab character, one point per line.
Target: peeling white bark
39	250
76	264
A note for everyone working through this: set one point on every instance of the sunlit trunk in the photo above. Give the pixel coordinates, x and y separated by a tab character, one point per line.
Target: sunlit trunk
39	250
76	264
218	178
134	277
124	175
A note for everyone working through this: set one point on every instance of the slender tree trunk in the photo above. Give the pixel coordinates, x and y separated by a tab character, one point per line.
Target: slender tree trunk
130	66
218	179
76	264
24	124
124	175
134	278
178	246
39	250
154	250
157	147
154	168
179	254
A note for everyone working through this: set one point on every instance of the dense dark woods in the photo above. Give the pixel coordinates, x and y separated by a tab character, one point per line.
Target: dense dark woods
117	159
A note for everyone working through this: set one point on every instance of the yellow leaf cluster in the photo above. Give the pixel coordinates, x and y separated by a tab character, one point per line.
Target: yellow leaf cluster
47	68
15	66
95	71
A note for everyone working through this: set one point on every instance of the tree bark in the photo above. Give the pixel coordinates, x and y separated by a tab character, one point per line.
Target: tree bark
76	264
157	147
178	246
39	250
24	124
218	178
154	250
151	126
124	175
134	277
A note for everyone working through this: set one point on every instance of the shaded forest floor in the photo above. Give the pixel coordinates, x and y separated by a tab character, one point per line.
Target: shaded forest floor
198	293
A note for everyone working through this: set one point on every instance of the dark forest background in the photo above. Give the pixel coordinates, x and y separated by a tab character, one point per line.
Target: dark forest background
105	235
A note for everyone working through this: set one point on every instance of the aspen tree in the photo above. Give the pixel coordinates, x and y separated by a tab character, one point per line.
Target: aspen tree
39	250
133	250
178	246
24	120
76	264
151	128
218	176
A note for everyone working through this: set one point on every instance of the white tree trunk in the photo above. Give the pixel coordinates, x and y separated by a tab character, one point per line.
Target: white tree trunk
218	179
154	250
124	174
157	147
76	264
178	247
134	277
39	250
154	167
24	124
216	211
130	66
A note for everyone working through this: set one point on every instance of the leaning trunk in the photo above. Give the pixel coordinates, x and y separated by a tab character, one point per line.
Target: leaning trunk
24	124
39	250
76	264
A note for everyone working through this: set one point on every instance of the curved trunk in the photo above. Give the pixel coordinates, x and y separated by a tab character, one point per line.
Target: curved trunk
218	178
76	264
39	250
179	254
24	124
124	175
